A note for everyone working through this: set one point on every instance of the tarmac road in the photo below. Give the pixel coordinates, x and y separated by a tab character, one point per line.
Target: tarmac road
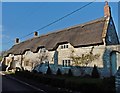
10	85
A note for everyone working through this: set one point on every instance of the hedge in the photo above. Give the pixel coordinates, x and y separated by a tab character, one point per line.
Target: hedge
84	85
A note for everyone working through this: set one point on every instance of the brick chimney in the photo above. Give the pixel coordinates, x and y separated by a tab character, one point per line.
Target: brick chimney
35	34
17	40
107	10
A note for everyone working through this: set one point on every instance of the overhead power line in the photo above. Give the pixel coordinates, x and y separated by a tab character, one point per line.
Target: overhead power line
57	20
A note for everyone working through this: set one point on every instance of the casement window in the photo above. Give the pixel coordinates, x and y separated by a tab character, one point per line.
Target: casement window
61	47
63	63
66	63
42	50
64	46
69	63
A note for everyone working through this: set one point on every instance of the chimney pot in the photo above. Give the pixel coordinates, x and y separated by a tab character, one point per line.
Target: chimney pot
107	11
16	40
35	34
106	2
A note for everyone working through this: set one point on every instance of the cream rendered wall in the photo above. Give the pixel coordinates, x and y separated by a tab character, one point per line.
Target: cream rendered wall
35	57
96	50
64	54
51	57
17	59
31	58
8	59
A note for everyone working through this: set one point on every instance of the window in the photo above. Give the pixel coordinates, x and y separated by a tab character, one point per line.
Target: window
66	63
64	46
63	63
61	47
42	50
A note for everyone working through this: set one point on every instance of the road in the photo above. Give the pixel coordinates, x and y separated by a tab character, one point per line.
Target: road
11	85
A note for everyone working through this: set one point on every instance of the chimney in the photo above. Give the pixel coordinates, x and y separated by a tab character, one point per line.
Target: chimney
16	40
35	34
107	10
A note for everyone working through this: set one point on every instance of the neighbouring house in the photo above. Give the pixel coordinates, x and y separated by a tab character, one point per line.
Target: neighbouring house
97	41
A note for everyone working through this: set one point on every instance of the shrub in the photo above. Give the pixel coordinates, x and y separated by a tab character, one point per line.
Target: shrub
34	71
58	72
70	72
18	69
95	73
3	67
49	72
87	76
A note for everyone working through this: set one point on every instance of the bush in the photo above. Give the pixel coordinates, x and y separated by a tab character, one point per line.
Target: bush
18	69
58	72
70	72
34	71
87	76
84	85
49	72
95	73
3	67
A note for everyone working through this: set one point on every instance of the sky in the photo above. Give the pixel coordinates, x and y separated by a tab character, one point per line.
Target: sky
22	18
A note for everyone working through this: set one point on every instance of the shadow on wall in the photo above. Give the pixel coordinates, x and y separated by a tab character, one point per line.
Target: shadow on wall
110	62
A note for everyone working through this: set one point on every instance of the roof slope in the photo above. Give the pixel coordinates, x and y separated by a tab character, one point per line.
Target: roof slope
86	34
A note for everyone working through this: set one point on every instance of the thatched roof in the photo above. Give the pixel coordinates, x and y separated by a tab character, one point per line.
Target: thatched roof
86	34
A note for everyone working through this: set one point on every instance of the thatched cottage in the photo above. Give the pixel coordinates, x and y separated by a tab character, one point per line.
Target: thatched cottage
81	46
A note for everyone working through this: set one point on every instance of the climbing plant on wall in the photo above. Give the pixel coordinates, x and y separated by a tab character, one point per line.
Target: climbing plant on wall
84	59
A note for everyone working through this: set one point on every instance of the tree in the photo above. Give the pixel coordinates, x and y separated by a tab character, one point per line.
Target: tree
2	55
58	72
95	73
42	56
49	72
70	72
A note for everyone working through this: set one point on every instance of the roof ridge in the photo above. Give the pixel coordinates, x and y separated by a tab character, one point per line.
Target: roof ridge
68	28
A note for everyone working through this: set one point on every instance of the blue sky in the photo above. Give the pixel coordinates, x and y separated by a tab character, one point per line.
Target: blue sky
21	18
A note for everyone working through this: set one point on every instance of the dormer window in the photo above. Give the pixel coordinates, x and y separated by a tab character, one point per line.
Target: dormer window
42	50
61	47
64	46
